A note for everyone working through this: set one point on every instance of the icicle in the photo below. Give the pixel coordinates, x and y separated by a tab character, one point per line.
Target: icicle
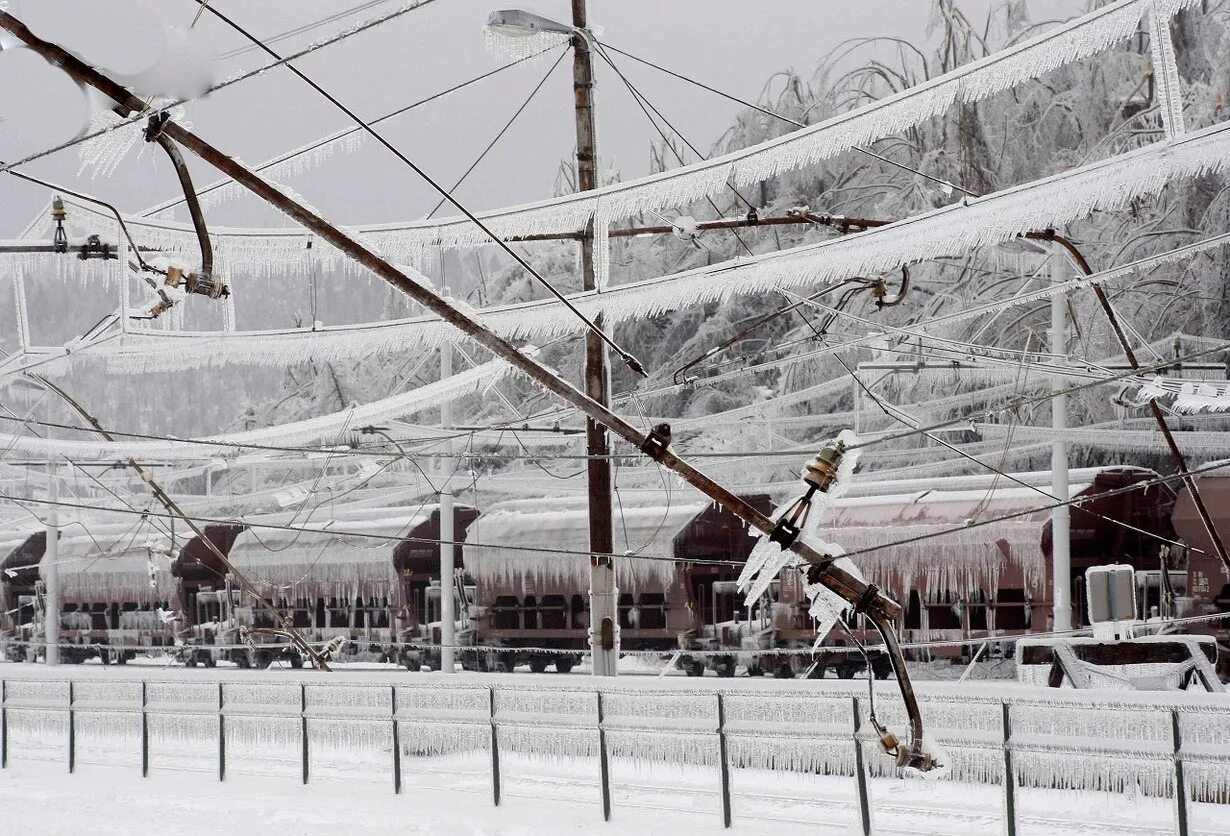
768	558
104	152
1165	71
23	314
944	232
602	251
515	47
1080	38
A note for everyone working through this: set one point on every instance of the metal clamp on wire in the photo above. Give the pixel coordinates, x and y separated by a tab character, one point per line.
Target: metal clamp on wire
865	600
819	474
95	248
657	441
153	128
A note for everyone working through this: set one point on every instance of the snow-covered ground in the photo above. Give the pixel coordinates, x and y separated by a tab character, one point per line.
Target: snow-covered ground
350	788
454	799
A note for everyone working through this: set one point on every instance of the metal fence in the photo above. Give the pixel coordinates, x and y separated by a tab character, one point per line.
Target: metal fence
1173	747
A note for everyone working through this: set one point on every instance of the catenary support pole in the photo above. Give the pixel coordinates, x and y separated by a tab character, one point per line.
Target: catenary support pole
1061	548
880	610
51	569
603	594
448	553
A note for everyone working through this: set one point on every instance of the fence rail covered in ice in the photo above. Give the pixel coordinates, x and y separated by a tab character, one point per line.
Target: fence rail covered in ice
1168	746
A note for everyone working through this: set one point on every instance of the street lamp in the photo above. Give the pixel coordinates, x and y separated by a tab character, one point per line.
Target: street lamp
518	23
521	34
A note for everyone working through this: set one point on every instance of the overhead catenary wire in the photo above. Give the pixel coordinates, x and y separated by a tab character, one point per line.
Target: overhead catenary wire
483	154
1014	404
140	116
339	135
931	535
938	180
897	414
299	30
629	359
643	102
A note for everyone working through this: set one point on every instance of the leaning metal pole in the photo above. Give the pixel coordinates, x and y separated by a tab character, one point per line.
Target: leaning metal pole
880	609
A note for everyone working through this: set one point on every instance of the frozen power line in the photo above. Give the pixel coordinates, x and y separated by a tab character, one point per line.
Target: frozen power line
341	532
627	357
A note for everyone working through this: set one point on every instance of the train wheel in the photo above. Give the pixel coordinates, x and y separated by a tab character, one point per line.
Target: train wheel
755	670
190	662
726	669
104	656
846	670
817	671
210	661
538	664
296	661
694	668
564	664
503	664
783	671
242	660
263	659
882	666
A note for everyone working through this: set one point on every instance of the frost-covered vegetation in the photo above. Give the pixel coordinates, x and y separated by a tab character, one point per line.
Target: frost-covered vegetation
1087	111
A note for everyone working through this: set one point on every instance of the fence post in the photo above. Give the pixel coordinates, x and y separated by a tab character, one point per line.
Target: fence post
72	731
495	751
723	764
860	773
144	734
1180	784
221	737
4	725
396	742
303	729
1009	778
604	765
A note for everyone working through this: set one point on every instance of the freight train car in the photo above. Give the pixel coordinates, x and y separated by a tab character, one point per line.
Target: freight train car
969	564
115	594
349	578
528	561
1207	589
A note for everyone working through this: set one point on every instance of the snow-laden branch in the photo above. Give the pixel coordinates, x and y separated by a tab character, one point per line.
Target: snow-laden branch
1080	38
311	430
1105	185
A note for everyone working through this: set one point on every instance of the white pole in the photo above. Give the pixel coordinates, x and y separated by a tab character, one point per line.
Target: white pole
51	570
1061	554
448	617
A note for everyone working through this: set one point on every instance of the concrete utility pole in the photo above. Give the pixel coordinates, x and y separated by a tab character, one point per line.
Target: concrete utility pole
51	569
448	614
603	594
1061	544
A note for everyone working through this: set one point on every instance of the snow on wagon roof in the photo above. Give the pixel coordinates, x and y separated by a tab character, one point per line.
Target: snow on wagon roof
516	542
97	569
959	560
331	559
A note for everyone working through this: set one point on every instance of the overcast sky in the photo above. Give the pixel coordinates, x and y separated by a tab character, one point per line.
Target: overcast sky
734	45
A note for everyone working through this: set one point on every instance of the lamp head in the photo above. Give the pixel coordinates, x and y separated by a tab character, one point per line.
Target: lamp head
518	23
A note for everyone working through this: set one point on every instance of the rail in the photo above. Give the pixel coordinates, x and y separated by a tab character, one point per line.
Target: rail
1168	746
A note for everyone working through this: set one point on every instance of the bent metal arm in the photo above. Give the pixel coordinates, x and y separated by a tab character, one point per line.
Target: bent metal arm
881	610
